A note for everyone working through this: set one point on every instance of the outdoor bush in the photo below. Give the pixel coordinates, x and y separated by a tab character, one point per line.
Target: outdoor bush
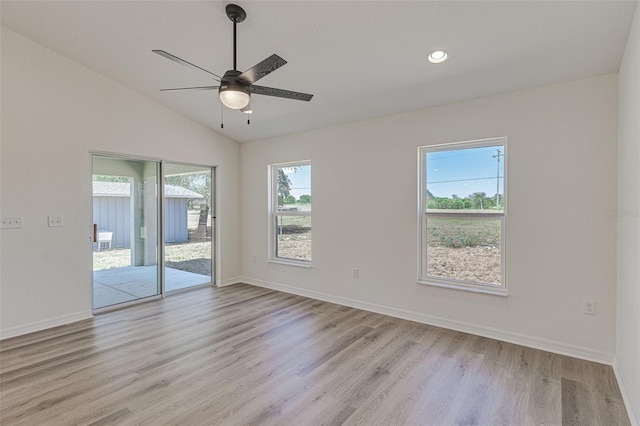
456	233
460	241
305	199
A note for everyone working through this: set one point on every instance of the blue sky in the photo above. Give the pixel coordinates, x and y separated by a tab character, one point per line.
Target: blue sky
300	180
464	171
461	172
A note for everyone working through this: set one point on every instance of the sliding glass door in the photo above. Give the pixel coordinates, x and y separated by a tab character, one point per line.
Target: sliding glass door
128	239
189	225
125	230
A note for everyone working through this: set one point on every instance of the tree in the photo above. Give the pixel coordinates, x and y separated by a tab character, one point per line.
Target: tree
196	182
489	202
106	178
430	196
457	204
440	203
289	199
284	186
477	199
305	199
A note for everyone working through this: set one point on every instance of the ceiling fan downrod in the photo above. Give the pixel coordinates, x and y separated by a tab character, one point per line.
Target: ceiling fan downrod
236	14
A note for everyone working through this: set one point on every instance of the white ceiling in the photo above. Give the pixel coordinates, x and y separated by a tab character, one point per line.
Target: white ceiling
360	59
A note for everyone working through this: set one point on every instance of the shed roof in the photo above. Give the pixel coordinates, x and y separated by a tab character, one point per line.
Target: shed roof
123	189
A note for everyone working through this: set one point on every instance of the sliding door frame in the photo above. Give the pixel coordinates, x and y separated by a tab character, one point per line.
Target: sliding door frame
212	215
160	226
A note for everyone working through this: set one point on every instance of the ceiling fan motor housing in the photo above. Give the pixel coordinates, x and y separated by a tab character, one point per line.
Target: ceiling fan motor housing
235	13
233	93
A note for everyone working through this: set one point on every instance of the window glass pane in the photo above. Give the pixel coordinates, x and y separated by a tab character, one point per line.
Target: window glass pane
293	237
469	179
188	225
125	216
294	188
464	249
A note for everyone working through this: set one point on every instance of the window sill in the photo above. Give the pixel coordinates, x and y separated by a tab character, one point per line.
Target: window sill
299	264
475	289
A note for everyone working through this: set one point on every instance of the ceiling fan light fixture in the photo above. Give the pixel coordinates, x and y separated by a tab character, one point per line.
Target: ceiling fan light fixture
437	56
234	96
235	86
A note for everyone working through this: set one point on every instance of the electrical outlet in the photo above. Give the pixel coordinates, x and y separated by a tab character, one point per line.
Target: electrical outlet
14	222
355	273
254	259
589	307
55	221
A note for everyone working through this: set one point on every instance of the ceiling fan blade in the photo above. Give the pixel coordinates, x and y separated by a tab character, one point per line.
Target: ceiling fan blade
183	62
191	88
280	93
265	67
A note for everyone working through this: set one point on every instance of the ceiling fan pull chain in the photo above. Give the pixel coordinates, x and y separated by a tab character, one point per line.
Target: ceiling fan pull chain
221	116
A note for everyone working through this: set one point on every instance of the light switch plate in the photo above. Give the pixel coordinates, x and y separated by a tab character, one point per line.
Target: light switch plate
55	221
13	222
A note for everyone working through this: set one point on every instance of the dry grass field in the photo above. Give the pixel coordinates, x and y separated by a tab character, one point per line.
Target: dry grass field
459	249
294	237
464	249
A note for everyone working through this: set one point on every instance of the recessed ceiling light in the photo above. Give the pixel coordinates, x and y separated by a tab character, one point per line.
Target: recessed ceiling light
437	56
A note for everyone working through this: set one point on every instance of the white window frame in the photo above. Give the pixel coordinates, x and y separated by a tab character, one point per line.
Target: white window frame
274	214
423	215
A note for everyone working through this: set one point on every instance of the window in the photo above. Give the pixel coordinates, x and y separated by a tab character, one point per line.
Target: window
290	213
462	215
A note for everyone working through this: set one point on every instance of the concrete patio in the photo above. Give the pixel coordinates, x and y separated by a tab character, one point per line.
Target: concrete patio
120	285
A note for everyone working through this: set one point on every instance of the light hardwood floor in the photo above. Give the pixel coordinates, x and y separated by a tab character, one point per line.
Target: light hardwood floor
247	355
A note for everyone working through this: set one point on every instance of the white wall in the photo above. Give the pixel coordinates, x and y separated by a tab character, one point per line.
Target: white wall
561	244
54	112
628	309
562	180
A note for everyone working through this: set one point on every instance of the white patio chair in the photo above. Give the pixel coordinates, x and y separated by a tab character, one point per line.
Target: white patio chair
104	236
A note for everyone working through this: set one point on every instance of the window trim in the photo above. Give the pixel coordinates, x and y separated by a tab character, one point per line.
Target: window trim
424	214
273	214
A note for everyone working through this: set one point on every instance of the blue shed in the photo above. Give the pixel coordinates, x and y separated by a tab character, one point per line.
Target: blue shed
112	211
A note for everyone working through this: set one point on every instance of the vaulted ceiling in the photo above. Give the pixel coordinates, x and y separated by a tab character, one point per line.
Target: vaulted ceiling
360	59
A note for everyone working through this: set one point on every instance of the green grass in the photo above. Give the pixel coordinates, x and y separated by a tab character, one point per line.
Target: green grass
174	254
291	225
455	233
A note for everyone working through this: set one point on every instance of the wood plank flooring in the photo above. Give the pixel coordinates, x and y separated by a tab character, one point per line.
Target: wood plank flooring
244	355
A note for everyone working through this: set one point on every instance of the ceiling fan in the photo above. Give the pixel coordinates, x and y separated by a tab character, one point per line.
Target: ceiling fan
236	87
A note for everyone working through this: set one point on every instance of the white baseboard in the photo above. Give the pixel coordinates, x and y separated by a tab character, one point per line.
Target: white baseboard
489	332
66	319
43	325
632	410
230	281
